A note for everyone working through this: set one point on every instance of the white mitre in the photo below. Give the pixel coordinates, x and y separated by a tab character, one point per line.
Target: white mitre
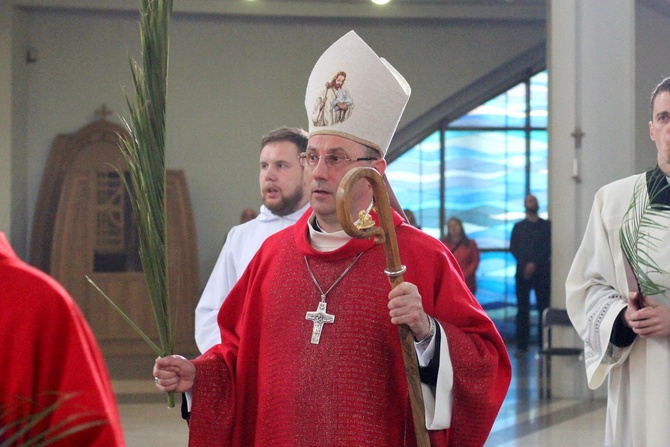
355	94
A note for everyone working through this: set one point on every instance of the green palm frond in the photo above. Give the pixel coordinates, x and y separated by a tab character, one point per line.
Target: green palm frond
642	217
22	427
144	153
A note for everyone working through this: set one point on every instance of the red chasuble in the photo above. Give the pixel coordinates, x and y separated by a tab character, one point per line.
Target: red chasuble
266	384
49	355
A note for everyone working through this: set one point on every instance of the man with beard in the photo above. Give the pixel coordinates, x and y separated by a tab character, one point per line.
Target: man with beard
284	201
531	246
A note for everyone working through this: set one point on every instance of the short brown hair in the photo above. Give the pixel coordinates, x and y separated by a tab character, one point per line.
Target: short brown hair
663	86
294	135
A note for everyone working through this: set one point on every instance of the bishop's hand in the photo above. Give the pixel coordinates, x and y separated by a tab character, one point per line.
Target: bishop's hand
174	373
406	307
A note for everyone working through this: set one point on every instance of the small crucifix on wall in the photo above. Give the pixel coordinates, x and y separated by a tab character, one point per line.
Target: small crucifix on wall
578	135
103	112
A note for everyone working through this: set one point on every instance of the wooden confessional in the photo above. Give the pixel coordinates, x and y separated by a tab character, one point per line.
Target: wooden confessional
84	226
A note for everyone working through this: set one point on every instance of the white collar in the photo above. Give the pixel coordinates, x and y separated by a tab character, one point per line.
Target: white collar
322	241
267	215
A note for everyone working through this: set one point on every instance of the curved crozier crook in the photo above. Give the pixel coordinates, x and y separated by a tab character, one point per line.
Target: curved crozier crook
344	204
385	233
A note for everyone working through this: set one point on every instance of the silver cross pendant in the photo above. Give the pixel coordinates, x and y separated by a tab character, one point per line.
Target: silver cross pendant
319	317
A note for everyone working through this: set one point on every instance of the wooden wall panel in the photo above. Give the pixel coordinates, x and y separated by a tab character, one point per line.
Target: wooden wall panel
68	237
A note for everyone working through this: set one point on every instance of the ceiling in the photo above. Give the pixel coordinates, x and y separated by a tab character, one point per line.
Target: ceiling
395	9
510	10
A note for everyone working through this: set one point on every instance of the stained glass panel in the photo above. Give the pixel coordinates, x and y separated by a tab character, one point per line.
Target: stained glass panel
493	156
505	110
539	94
415	177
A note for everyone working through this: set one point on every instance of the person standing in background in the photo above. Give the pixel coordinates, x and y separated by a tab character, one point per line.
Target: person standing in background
411	219
464	249
284	201
530	244
247	215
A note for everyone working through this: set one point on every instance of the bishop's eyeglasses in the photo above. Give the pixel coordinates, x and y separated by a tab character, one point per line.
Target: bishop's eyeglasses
333	161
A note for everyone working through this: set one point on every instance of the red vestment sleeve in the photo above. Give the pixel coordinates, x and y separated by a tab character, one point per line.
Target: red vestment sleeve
481	381
213	410
481	367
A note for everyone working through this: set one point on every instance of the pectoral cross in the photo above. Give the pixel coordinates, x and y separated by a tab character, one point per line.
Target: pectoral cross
319	317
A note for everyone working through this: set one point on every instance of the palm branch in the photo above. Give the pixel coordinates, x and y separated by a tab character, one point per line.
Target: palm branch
636	233
144	153
22	428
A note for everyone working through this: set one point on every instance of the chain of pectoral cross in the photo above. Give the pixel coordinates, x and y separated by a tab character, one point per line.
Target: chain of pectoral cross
320	316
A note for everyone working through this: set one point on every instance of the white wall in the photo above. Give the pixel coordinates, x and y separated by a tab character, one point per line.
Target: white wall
5	115
231	79
592	69
591	65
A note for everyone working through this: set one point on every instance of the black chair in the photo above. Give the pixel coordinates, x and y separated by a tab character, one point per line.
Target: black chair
552	318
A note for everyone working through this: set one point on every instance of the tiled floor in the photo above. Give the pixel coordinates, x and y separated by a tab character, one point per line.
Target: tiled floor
524	420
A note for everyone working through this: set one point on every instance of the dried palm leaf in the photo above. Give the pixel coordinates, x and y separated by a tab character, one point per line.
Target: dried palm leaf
144	153
637	238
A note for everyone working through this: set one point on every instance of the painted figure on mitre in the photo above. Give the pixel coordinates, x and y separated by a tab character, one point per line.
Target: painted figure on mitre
335	103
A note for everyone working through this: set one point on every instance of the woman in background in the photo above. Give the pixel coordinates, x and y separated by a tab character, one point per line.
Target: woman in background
464	249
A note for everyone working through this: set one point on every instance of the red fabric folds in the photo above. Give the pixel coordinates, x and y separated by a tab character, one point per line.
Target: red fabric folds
50	355
266	384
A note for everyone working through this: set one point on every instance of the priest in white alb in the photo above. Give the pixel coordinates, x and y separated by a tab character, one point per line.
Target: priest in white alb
619	300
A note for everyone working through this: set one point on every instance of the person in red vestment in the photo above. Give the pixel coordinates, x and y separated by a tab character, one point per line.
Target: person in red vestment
465	250
54	372
309	352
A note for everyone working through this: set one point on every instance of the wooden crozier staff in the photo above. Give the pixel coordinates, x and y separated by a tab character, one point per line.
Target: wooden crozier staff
385	234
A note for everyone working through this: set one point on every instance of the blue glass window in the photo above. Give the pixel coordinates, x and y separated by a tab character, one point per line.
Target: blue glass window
479	167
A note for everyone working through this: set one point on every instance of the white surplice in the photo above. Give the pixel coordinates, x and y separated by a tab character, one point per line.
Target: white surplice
242	243
638	407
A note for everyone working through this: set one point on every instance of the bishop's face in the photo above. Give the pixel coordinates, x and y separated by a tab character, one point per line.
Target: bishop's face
323	180
659	130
